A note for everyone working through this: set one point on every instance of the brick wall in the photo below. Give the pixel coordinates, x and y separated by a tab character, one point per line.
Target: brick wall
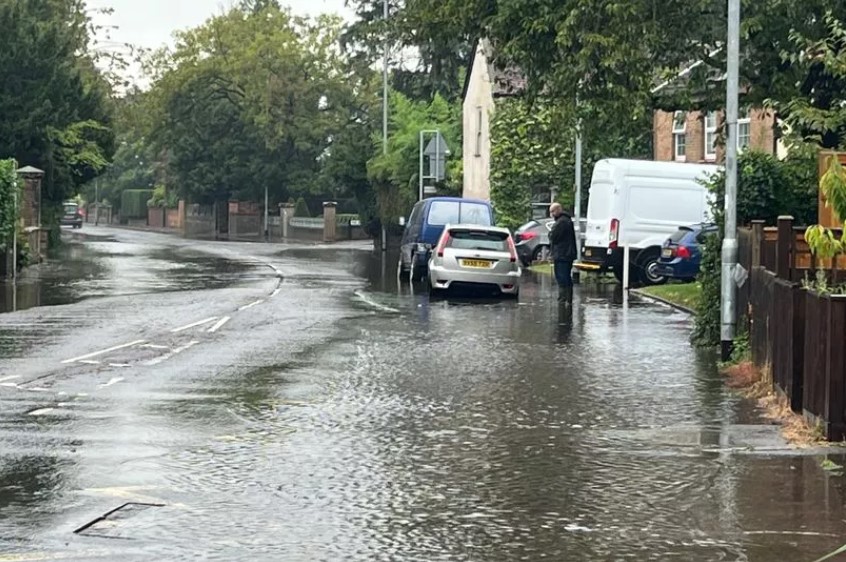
762	135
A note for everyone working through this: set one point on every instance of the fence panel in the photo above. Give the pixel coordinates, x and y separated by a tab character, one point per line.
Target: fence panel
789	341
762	305
816	335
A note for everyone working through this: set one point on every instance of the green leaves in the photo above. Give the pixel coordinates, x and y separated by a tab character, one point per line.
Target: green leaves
9	186
833	188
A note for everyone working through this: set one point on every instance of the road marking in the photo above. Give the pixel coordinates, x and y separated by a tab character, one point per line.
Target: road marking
276	292
219	324
114	380
252	304
41	411
96	353
120	365
9	384
89	362
38	389
167	356
193	325
154	346
9	378
375	304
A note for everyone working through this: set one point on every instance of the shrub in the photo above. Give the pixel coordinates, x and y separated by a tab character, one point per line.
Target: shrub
133	203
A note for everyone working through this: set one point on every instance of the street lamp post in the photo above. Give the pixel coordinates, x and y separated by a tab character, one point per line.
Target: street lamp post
385	105
728	288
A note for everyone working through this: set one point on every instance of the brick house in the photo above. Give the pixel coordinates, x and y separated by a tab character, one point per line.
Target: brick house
692	136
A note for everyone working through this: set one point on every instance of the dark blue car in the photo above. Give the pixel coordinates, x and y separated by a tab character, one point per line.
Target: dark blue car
682	252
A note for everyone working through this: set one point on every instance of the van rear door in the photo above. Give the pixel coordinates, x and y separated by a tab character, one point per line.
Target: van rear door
600	212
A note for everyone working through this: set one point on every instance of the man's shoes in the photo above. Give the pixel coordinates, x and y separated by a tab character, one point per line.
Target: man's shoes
565	295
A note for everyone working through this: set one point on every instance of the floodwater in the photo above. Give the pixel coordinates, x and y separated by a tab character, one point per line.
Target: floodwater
448	430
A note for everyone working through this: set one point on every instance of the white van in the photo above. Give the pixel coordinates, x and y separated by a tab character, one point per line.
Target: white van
640	203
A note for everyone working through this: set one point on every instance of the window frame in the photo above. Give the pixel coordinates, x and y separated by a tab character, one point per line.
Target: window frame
710	149
747	121
679	136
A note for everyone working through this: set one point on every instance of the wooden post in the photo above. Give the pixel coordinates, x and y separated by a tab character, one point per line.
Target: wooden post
757	241
286	211
784	247
329	222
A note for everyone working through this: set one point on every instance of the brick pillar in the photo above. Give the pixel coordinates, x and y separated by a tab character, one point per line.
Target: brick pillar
329	224
286	212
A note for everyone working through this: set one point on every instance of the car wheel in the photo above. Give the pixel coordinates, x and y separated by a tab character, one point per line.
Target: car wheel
541	253
647	265
402	273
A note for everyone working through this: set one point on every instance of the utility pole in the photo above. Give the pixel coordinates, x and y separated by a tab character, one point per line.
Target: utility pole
577	210
729	251
385	105
266	228
97	201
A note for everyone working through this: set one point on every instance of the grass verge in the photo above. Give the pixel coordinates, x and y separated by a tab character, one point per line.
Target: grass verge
541	268
685	295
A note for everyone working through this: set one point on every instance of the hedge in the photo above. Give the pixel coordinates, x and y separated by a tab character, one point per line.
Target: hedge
133	203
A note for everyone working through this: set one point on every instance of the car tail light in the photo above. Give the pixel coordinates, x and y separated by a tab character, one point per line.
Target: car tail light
614	234
523	236
682	252
442	243
512	250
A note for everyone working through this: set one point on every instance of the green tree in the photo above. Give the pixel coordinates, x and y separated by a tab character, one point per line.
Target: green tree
395	174
54	102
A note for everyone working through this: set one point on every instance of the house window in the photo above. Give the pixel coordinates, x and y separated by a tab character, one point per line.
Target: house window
479	130
711	135
744	132
679	136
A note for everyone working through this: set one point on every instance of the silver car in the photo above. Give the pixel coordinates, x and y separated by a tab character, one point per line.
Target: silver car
475	257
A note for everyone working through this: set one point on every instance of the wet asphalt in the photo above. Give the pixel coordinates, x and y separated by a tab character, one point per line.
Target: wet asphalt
224	401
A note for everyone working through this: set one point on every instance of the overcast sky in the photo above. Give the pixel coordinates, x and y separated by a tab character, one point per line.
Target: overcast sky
151	23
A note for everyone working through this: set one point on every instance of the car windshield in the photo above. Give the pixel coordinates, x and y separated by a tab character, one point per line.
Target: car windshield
478	240
680	234
455	212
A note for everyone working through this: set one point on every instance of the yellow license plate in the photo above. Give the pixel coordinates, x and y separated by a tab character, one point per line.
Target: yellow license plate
484	264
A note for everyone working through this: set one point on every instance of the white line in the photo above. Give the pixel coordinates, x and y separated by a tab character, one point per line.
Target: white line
219	324
41	412
374	304
252	304
89	362
193	325
120	365
9	384
276	292
96	353
166	356
114	380
154	346
10	377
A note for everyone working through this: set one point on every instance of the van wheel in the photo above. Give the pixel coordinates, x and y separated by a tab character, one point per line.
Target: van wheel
647	263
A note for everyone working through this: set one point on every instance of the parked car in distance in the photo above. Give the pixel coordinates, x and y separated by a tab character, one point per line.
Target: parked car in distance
478	258
426	224
638	203
682	252
71	215
532	240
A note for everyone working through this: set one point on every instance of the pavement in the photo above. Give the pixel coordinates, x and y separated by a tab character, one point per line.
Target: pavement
170	399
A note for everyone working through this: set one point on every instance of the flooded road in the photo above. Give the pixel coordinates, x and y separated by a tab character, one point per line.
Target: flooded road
345	417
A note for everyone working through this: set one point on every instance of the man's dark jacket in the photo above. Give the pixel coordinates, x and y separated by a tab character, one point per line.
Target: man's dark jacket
562	238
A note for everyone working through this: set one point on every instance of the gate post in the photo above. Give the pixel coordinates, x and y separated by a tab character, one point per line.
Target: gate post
329	223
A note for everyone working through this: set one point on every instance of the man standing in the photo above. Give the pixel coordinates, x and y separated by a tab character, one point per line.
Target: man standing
562	238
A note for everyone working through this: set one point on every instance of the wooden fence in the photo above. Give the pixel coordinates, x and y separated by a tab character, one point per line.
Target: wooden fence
798	334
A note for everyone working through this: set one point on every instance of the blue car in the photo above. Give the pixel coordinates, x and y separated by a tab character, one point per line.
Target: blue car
426	224
682	252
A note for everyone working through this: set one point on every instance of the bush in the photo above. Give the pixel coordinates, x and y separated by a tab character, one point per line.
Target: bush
8	213
766	188
301	208
133	203
162	198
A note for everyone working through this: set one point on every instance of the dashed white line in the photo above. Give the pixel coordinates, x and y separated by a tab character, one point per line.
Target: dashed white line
167	356
219	324
114	380
41	411
89	362
109	350
154	346
193	325
120	365
252	304
10	378
9	384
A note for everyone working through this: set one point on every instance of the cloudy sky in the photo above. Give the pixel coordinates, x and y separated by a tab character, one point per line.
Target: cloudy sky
151	23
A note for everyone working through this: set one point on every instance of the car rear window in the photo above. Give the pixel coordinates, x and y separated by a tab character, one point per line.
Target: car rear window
70	209
478	240
680	235
455	212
